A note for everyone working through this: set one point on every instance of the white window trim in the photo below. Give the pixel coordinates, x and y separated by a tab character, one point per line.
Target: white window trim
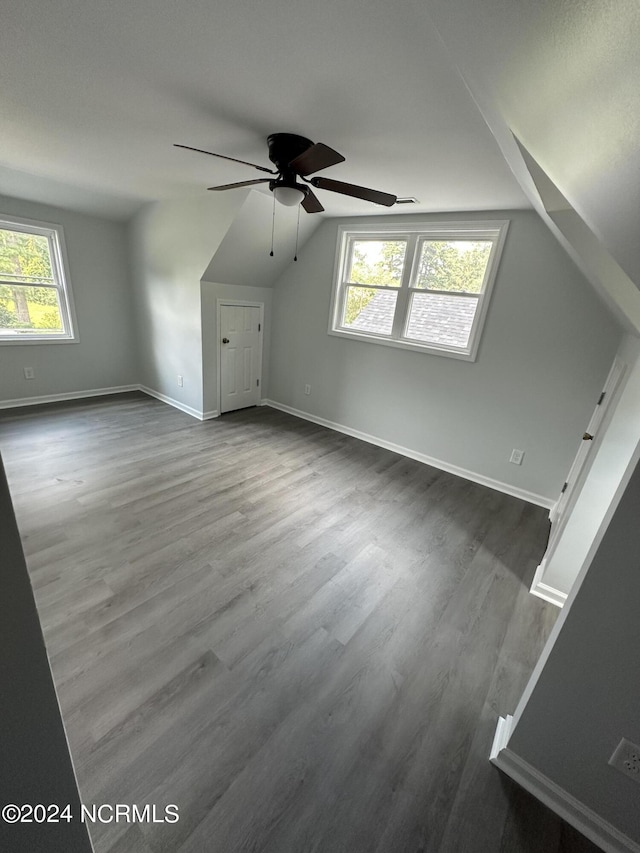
493	229
60	266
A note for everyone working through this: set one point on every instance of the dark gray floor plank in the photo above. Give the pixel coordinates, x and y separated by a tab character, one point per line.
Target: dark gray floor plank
302	640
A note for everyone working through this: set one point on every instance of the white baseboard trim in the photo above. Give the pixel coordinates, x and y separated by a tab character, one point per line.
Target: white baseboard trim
514	491
544	591
68	395
564	804
102	392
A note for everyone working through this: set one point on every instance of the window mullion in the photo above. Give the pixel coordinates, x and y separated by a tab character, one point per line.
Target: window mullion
342	301
386	287
474	293
402	301
20	283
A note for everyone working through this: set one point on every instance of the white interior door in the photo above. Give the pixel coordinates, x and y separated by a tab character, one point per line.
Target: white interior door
240	356
571	488
585	447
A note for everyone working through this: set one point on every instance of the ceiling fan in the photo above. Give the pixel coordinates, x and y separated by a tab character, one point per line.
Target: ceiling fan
296	157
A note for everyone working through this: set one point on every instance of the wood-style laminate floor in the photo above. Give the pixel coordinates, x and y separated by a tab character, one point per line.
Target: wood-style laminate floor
301	640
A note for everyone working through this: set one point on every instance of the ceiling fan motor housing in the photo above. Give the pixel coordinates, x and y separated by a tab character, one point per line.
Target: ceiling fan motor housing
291	184
285	147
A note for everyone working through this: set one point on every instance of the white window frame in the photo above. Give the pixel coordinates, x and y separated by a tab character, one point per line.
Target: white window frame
416	233
61	283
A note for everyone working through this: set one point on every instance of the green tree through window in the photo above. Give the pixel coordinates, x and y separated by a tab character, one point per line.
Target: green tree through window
453	265
25	263
377	262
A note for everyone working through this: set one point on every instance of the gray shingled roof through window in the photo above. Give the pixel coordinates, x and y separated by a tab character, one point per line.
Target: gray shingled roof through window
435	318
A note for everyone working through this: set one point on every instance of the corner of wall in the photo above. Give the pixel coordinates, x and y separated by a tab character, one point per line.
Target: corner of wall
171	244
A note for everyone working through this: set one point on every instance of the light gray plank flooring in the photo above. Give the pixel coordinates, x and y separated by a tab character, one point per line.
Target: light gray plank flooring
302	640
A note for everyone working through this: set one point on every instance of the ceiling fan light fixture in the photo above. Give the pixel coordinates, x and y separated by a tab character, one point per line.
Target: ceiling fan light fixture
289	196
296	156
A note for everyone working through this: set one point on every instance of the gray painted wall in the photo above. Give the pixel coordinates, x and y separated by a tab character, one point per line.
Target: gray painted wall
171	245
588	694
105	355
35	765
243	255
210	293
547	347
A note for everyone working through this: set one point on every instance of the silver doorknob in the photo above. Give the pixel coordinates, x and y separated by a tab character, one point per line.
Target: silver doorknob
225	340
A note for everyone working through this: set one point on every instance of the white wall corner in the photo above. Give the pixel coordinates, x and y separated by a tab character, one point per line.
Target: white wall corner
501	737
544	591
103	392
170	401
598	830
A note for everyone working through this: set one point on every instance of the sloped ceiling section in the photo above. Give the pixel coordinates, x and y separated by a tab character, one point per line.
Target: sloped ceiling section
66	194
243	258
563	77
610	280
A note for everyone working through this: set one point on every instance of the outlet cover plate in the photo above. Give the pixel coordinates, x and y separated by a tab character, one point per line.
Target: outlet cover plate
516	456
626	759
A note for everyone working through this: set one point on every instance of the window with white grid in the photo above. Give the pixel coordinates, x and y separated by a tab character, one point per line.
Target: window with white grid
424	287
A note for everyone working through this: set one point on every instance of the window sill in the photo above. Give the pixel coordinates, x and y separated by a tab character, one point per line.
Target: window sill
20	340
462	355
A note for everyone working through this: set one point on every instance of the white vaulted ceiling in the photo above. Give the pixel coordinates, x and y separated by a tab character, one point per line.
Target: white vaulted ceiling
421	96
94	94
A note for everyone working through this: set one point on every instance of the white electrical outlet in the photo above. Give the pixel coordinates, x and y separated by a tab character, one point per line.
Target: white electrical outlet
180	381
29	373
307	389
626	759
516	456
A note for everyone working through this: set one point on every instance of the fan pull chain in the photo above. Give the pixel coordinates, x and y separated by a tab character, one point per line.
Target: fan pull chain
273	224
295	257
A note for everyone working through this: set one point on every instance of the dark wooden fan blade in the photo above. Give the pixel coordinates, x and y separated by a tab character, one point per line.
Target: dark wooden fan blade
316	157
241	184
224	157
311	203
357	192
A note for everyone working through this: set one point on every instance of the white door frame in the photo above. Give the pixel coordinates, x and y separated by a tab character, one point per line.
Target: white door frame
561	510
220	302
